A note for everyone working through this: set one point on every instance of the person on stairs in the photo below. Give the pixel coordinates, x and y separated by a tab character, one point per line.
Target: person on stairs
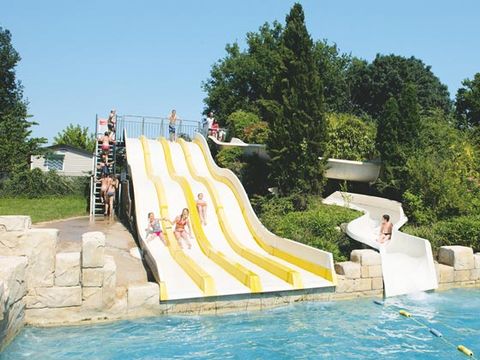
112	188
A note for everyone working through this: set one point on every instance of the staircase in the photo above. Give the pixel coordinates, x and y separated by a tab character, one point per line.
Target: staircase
97	208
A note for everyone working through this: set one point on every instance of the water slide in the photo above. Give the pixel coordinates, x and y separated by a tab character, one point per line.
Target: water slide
407	261
233	253
339	169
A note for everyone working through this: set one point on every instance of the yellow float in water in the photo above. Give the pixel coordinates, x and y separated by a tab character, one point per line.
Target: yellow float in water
405	313
465	350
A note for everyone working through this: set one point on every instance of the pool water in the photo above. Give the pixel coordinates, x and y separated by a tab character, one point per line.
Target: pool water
356	329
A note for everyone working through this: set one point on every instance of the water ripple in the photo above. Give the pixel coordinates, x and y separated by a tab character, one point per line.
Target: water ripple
356	329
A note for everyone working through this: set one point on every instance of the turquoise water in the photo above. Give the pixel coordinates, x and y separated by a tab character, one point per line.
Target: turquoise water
357	329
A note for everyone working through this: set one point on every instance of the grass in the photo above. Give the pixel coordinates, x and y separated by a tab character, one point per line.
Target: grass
44	209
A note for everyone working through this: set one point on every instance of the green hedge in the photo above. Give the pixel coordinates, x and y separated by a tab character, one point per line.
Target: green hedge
36	183
463	230
307	220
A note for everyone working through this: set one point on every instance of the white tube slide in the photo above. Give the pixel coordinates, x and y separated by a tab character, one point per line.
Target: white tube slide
407	260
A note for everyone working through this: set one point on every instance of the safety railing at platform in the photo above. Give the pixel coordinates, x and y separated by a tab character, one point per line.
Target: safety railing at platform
154	127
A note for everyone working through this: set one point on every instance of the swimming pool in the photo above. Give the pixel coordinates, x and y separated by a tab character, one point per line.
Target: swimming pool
356	329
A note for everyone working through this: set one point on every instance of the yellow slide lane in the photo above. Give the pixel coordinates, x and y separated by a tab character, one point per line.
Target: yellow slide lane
201	278
301	263
241	273
279	270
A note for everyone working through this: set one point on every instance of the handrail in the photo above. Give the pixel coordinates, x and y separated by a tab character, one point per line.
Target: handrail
154	127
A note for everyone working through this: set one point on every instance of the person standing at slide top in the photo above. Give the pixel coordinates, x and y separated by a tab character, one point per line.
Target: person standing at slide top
172	122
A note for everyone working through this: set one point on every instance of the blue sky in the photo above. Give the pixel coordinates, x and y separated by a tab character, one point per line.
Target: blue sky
84	57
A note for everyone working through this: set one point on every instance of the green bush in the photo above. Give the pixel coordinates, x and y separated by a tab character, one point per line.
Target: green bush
36	183
350	137
231	158
317	226
254	175
441	176
417	212
240	120
463	230
256	133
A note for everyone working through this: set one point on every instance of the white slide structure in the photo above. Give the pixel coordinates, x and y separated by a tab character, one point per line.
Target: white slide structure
407	261
339	169
233	253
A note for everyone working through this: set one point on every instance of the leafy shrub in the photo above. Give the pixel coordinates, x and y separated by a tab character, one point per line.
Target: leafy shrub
254	175
231	158
240	120
463	230
441	176
350	137
36	183
256	133
317	226
417	212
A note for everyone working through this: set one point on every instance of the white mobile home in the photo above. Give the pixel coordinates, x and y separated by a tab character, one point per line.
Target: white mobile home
65	159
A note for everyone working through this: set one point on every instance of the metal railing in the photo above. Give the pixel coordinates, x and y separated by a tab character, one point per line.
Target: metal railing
154	127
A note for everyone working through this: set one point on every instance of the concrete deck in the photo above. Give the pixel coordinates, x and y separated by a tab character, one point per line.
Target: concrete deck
119	241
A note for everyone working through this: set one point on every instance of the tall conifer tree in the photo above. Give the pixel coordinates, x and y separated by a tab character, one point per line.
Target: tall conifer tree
296	113
409	118
16	143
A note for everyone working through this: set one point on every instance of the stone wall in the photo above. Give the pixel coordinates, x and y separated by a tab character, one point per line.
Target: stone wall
457	266
39	286
12	293
361	276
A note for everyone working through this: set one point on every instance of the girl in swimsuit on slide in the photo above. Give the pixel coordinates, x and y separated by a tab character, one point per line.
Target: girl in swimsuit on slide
385	229
181	223
202	208
154	229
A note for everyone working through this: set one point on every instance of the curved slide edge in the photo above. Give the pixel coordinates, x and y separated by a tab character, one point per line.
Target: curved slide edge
283	272
148	248
407	260
201	278
238	271
306	257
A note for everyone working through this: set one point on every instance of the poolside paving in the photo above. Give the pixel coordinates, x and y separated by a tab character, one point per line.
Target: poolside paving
119	241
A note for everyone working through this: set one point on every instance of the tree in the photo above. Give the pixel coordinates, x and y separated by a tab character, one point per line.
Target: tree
350	137
409	125
238	121
388	124
16	143
333	66
373	84
387	144
240	79
295	113
77	136
467	104
398	134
